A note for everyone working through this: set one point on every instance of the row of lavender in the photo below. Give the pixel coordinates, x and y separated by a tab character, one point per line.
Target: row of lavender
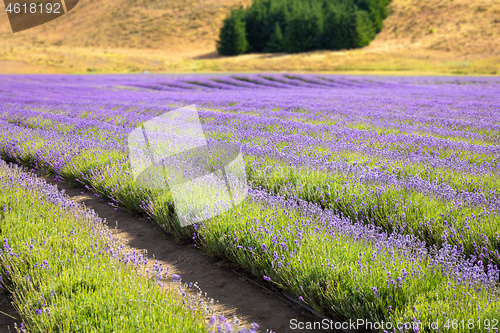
57	269
326	145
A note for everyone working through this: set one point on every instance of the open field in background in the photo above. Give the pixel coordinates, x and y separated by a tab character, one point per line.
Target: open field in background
419	36
372	197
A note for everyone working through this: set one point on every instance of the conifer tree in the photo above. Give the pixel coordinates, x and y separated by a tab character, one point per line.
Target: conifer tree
254	22
232	38
340	28
276	42
304	30
365	31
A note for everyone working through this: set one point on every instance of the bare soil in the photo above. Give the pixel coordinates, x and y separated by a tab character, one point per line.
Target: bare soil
7	322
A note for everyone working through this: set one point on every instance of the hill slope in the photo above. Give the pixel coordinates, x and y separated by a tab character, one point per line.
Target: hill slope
440	36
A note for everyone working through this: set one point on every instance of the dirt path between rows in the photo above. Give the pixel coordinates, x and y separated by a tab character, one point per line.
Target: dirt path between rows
234	294
6	320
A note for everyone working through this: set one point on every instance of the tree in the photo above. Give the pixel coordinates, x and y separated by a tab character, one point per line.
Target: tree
377	9
364	30
304	30
276	42
340	28
232	38
330	39
278	13
257	35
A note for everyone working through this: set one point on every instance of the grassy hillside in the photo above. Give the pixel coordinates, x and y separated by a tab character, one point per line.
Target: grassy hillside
429	36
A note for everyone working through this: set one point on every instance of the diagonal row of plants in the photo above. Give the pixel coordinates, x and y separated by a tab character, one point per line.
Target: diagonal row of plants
66	272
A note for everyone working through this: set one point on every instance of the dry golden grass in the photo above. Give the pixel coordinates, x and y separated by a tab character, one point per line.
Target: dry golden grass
419	36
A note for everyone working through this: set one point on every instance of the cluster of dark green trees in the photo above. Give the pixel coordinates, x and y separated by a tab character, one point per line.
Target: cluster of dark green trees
301	25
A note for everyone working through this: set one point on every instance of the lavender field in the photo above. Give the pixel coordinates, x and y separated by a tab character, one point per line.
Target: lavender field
370	197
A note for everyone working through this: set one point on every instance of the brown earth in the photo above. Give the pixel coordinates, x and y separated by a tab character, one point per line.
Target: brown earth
419	36
9	317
